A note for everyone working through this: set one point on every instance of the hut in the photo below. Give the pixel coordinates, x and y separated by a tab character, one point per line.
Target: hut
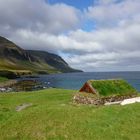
108	87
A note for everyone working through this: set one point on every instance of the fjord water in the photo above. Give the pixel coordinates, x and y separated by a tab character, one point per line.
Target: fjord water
76	80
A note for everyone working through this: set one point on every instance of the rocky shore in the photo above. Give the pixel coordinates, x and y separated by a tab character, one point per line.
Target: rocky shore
7	86
23	85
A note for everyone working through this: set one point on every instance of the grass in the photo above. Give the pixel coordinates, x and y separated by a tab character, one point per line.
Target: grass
54	117
20	66
113	87
3	79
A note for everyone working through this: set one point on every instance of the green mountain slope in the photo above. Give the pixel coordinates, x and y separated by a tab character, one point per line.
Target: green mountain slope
14	58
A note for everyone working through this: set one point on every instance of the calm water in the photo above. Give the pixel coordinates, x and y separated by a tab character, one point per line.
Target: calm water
76	80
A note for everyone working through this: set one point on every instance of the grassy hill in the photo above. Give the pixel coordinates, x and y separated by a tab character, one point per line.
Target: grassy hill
14	58
54	117
3	79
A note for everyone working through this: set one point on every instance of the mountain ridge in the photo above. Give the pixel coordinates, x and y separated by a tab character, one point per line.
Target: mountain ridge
13	57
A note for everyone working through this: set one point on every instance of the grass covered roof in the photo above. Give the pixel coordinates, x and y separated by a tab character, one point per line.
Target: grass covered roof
108	87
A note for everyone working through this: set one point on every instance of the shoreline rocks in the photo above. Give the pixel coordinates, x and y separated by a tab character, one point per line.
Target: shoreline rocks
21	85
8	83
7	86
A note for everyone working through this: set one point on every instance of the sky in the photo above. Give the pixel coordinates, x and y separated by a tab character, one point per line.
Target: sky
91	35
80	4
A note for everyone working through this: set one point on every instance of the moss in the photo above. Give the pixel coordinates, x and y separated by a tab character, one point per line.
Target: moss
113	87
3	79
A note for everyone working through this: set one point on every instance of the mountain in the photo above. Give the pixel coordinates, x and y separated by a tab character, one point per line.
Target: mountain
13	57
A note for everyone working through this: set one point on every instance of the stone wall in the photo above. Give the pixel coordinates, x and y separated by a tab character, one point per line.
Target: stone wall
80	99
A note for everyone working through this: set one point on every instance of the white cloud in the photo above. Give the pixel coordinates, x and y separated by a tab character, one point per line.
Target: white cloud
37	15
114	45
110	13
101	49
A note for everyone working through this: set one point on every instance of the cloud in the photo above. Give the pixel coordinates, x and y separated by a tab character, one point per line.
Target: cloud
114	48
38	15
119	49
114	45
109	13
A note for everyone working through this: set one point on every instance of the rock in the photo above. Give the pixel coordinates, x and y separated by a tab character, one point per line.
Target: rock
130	101
23	106
2	89
113	103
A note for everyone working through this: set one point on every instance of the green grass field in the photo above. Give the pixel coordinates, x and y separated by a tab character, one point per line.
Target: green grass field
113	87
3	79
54	117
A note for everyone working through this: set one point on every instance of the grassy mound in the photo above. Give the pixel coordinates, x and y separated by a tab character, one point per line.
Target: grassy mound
53	117
112	87
3	79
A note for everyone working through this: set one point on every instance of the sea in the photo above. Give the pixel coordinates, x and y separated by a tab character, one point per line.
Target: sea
76	80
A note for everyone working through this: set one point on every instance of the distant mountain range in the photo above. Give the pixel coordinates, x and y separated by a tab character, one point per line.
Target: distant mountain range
13	57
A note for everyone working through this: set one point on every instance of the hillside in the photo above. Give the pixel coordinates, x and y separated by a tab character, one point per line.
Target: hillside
52	60
3	79
12	57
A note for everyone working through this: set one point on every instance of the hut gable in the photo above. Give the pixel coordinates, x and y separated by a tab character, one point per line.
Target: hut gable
87	87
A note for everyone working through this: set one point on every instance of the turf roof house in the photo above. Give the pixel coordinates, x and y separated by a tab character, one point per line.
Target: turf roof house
108	87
